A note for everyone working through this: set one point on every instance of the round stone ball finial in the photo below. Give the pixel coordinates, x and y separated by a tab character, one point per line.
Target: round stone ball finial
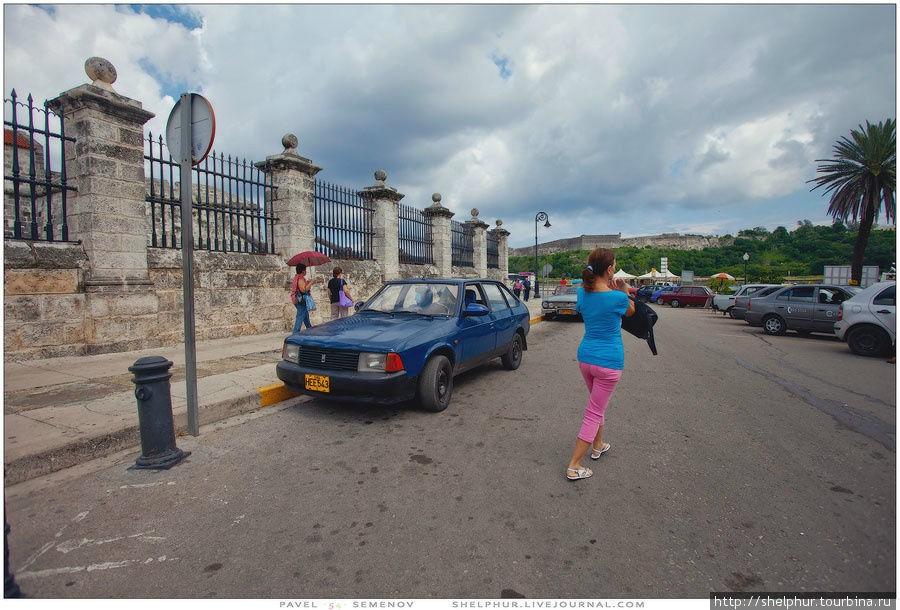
290	143
101	71
436	198
380	176
474	212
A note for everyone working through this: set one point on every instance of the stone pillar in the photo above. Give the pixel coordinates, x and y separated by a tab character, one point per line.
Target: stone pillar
502	250
441	237
106	163
109	212
386	201
293	206
479	243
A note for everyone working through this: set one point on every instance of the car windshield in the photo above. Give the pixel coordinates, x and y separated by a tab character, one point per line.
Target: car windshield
566	290
426	298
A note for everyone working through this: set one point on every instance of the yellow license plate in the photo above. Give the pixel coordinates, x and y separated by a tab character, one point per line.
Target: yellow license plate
566	312
318	383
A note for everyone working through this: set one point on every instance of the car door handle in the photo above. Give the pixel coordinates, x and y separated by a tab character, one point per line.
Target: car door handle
883	311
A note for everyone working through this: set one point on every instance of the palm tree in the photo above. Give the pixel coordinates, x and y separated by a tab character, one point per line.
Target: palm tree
861	178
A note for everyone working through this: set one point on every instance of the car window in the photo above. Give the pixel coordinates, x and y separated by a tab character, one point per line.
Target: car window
832	296
424	297
752	289
474	295
767	291
494	297
886	297
798	293
684	290
510	297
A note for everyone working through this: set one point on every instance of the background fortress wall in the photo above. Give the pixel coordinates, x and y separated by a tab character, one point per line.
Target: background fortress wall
589	242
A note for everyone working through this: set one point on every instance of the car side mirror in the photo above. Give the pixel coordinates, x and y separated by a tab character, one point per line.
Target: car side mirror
359	305
476	309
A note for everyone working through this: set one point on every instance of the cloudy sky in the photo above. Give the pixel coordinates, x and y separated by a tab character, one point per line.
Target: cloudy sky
636	119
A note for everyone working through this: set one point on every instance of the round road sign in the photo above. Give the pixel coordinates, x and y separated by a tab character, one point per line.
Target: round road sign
203	129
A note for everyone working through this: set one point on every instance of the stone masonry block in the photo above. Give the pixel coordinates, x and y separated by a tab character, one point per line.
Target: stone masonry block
63	307
40	281
17	309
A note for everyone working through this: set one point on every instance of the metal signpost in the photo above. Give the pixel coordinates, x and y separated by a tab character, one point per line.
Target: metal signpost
190	131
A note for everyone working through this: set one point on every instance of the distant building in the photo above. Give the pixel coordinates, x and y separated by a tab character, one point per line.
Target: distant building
589	242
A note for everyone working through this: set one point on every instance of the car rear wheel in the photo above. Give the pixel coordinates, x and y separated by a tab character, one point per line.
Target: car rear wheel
774	325
868	341
675	303
731	313
513	356
435	384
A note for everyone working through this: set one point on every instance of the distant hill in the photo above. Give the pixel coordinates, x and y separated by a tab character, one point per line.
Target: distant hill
773	255
589	242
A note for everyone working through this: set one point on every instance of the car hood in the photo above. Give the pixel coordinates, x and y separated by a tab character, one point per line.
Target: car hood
377	332
562	298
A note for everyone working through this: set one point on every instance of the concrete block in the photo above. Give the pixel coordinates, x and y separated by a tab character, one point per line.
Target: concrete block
56	308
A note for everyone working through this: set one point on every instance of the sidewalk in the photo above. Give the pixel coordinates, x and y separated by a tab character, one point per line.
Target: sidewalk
60	412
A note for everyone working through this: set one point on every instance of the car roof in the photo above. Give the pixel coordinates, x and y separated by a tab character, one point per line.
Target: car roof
442	280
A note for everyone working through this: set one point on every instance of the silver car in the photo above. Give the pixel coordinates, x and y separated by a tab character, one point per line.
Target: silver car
804	308
561	302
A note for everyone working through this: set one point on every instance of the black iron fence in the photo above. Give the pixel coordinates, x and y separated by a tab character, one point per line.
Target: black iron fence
415	237
35	189
344	223
493	251
461	245
231	202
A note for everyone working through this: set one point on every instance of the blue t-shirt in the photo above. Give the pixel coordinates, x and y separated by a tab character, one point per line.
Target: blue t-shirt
602	313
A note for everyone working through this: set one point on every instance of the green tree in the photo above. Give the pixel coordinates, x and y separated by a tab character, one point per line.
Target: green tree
861	179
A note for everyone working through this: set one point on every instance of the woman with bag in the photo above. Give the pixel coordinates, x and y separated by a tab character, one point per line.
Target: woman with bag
341	301
301	297
602	301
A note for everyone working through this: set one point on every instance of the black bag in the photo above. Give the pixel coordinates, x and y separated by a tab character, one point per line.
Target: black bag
640	324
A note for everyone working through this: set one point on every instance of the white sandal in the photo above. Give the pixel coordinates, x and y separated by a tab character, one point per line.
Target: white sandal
596	453
581	473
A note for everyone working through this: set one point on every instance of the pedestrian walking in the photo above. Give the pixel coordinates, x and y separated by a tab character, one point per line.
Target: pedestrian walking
517	288
300	289
602	301
341	301
527	287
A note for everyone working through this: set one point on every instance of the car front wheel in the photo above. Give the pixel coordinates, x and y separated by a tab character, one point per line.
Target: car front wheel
675	303
773	325
731	313
513	356
435	384
868	341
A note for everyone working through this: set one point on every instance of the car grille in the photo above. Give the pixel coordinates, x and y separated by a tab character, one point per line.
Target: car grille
328	359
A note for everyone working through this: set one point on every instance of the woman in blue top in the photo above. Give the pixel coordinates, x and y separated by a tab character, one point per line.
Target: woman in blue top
602	302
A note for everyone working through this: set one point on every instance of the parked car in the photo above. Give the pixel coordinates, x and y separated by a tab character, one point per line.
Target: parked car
805	308
741	301
725	302
561	302
408	342
687	295
661	290
867	321
645	292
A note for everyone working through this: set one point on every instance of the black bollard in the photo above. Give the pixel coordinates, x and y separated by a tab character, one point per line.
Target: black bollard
158	450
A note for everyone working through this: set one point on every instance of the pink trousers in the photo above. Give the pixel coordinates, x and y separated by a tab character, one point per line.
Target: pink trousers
601	382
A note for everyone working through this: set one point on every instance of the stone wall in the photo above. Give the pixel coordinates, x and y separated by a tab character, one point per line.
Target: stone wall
44	300
589	242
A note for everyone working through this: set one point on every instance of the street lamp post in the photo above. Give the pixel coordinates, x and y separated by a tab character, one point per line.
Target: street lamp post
746	257
538	217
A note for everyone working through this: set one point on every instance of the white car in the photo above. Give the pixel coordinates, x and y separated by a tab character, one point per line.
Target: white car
867	321
725	302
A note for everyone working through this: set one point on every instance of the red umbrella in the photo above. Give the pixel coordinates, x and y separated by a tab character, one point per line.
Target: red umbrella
309	259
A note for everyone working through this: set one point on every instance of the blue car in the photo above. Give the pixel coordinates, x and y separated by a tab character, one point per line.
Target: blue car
408	342
655	296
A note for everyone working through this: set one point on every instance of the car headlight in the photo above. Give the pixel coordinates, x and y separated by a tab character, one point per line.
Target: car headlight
291	353
546	304
379	363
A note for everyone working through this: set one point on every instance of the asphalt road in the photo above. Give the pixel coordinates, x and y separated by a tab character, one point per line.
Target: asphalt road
738	462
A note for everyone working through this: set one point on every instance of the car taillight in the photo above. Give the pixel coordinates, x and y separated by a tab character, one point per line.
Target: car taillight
748	304
840	313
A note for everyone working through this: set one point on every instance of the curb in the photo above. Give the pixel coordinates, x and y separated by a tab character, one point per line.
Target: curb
274	393
90	448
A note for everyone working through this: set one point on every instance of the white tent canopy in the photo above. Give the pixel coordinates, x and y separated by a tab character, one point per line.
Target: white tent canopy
621	273
654	275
